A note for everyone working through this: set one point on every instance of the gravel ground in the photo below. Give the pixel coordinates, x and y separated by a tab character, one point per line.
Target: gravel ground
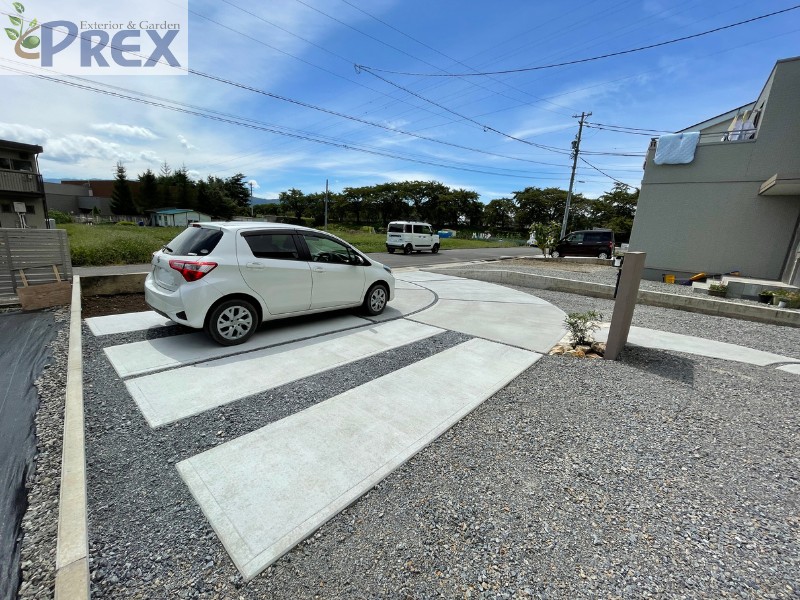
593	274
40	523
659	475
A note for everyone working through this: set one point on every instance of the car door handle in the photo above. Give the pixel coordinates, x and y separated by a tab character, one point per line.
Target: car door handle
256	265
318	270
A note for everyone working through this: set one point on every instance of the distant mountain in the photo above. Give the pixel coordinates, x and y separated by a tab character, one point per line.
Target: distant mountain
255	201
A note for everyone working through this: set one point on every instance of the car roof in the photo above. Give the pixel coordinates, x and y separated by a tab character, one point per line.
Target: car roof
408	223
244	225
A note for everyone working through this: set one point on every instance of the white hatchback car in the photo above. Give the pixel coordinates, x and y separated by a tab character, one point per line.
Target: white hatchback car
227	278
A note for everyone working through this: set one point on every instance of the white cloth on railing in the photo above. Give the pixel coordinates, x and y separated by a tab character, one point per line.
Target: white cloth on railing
676	148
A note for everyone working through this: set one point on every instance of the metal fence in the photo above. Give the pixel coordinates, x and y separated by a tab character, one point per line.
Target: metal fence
33	257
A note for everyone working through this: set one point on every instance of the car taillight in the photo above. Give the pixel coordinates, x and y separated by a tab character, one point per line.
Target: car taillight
192	270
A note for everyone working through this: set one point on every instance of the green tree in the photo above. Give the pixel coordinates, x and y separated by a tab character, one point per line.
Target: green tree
213	200
500	213
121	195
293	202
616	210
184	189
148	191
239	192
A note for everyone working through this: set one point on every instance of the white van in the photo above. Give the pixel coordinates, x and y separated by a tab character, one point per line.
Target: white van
411	236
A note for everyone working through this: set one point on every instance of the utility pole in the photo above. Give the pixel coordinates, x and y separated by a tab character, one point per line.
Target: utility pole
576	148
251	199
326	205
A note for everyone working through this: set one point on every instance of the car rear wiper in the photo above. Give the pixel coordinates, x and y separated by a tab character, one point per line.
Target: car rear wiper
168	249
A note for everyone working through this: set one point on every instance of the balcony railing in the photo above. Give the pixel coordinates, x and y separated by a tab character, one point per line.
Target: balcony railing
22	182
739	135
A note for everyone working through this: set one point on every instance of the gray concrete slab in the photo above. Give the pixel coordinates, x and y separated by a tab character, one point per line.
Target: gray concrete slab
179	393
536	327
114	324
162	353
266	491
664	340
791	369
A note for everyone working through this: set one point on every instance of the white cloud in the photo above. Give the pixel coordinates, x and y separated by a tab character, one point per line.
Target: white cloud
150	157
185	143
24	134
74	148
254	184
129	131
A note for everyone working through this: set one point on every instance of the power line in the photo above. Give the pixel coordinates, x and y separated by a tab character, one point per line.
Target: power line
250	124
585	60
606	174
466	118
618	130
629	128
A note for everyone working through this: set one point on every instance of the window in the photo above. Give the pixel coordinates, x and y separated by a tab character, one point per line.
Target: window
21	165
31	209
575	238
5	163
422	229
327	250
194	241
6	208
407	229
277	246
395	228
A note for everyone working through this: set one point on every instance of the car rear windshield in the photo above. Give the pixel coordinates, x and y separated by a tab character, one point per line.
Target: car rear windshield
395	227
194	241
598	236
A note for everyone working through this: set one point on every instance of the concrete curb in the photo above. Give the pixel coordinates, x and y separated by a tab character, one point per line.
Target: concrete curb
72	549
708	306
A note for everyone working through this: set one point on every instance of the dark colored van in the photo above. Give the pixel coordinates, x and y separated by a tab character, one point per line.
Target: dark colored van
591	242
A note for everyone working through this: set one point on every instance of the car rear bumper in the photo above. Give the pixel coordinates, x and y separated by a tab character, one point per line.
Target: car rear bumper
187	305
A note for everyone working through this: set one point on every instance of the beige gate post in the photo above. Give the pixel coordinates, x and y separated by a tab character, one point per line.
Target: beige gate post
628	290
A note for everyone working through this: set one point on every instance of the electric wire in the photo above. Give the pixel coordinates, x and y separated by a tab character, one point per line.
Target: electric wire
584	60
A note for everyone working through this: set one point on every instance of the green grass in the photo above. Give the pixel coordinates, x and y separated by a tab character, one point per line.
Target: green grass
101	245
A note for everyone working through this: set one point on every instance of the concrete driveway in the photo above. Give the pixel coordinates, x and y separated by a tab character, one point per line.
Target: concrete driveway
266	491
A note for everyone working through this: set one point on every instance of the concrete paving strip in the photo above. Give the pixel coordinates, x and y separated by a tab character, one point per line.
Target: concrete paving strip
536	327
664	340
113	324
173	395
265	492
790	369
466	289
422	276
406	302
162	353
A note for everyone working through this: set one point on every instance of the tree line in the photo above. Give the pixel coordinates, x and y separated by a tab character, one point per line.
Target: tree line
376	205
215	196
443	207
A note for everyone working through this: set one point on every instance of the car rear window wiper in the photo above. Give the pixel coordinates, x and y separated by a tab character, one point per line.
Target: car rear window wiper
168	249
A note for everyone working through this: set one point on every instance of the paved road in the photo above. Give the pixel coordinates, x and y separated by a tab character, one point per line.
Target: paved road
396	260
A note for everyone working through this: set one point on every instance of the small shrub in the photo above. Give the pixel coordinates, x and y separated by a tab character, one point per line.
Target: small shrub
718	287
581	326
60	217
126	223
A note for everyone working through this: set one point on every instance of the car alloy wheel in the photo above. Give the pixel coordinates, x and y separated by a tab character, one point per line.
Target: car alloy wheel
232	322
376	299
602	255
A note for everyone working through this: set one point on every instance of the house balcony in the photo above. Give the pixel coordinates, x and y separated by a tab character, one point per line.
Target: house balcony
21	182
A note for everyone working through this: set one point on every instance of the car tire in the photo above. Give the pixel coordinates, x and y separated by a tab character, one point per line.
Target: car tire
390	250
376	299
407	249
602	255
555	254
232	322
435	249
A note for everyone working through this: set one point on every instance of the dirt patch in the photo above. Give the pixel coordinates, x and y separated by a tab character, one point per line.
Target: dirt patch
100	306
557	265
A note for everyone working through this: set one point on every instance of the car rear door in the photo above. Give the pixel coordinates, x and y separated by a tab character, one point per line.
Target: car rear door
422	237
271	265
337	279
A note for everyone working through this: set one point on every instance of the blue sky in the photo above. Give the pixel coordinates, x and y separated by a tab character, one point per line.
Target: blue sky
305	51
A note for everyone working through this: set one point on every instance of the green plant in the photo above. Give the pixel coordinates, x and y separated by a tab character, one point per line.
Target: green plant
718	287
580	326
792	298
126	223
59	217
